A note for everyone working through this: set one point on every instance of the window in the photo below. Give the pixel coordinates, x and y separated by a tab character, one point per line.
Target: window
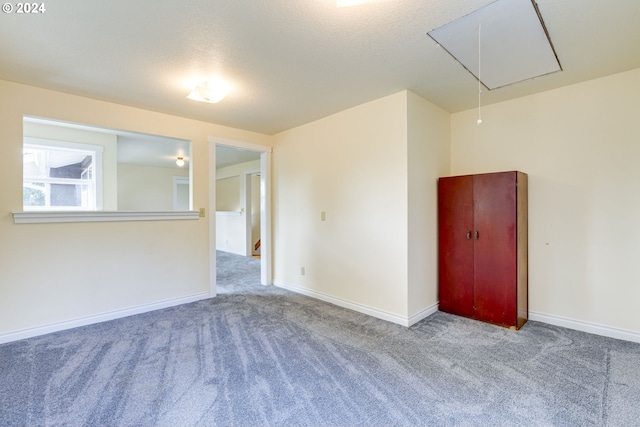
60	175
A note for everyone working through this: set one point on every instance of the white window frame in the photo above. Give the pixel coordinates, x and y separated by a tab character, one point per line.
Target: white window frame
96	183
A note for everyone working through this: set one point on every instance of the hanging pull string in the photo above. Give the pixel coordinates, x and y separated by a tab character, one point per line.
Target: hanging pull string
479	76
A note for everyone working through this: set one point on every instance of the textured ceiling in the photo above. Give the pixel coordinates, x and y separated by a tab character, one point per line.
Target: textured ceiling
289	61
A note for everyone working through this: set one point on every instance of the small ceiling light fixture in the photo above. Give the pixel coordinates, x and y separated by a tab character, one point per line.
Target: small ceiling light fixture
180	161
210	92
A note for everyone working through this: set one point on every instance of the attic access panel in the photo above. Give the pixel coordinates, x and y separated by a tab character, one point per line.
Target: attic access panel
514	43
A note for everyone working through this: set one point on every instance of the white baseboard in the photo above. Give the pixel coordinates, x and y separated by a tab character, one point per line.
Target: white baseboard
423	314
579	325
97	318
360	308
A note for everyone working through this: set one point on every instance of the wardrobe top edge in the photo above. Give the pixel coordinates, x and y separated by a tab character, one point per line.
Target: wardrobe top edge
484	173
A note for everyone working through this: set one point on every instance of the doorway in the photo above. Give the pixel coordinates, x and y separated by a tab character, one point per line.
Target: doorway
252	208
263	177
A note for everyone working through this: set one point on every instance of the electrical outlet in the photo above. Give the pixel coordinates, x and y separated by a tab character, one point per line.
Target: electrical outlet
323	216
302	272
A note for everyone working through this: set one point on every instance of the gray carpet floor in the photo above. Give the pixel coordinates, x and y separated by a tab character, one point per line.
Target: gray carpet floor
263	356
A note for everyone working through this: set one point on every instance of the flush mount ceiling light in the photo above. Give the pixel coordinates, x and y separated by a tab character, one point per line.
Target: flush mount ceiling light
180	161
210	92
515	43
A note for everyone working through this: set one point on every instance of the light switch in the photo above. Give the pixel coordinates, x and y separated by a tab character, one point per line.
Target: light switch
323	216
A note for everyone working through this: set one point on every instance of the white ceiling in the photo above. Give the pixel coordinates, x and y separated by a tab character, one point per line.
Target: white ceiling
289	62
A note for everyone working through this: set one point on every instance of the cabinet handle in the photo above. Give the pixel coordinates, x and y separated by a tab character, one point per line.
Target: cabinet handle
468	235
477	235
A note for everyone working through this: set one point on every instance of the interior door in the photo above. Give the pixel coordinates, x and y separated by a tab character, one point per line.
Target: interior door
455	241
495	266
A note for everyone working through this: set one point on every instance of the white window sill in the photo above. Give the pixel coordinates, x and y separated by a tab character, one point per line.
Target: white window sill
33	217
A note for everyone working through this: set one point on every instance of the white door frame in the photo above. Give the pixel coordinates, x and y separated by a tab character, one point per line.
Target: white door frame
266	274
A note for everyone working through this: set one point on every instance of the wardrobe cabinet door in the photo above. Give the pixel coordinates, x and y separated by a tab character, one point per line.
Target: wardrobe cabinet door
455	245
495	250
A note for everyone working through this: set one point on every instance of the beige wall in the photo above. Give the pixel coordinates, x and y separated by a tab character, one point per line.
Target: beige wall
228	194
372	169
352	165
146	188
428	159
580	146
52	273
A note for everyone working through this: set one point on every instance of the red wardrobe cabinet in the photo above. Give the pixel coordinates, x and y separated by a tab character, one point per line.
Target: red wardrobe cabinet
482	247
